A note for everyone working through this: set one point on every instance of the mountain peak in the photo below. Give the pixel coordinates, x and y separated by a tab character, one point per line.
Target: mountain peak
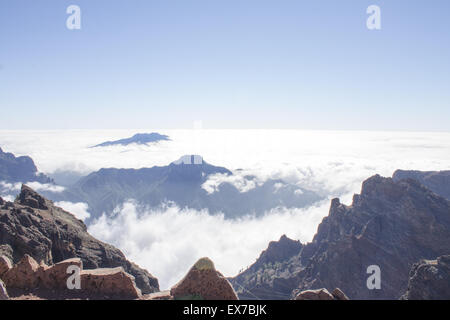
190	159
31	198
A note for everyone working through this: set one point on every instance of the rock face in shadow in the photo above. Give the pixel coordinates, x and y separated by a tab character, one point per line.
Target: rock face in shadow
266	275
436	181
33	225
429	280
204	282
19	169
390	224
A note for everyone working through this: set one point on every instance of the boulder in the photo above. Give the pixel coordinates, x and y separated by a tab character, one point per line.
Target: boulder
319	294
5	265
55	276
203	281
339	295
109	283
3	292
23	274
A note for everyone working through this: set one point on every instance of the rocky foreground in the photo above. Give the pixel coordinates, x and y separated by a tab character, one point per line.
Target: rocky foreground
34	226
40	242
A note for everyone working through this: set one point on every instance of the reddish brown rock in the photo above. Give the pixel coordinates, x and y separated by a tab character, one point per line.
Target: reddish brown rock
5	265
203	281
23	274
319	294
110	283
163	295
55	276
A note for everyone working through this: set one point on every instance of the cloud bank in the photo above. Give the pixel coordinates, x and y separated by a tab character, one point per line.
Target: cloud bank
168	241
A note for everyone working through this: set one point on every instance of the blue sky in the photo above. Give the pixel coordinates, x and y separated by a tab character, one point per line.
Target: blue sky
231	64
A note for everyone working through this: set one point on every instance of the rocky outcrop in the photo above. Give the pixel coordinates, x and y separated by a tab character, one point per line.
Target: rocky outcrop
110	282
321	294
267	276
429	280
27	277
391	225
19	169
23	275
339	295
203	281
3	292
5	265
33	225
436	181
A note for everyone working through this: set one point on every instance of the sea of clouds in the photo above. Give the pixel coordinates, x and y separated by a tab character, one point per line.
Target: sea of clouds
168	240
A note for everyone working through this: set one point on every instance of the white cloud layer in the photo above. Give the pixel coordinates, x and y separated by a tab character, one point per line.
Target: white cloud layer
36	186
168	241
79	209
6	187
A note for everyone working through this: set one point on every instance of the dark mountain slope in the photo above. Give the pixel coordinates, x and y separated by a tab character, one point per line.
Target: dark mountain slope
19	169
33	225
181	182
390	224
436	181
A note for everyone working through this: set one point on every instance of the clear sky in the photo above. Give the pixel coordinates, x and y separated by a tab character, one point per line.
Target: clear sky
230	63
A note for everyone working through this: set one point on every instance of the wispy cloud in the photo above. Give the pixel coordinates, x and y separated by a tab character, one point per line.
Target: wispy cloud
78	209
169	240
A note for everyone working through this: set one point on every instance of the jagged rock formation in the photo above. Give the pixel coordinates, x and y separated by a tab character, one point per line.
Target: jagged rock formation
28	277
33	225
204	282
266	276
19	169
429	280
321	294
436	181
390	224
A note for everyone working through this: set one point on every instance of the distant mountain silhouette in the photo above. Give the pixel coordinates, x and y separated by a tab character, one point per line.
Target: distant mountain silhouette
436	181
181	182
19	169
139	138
